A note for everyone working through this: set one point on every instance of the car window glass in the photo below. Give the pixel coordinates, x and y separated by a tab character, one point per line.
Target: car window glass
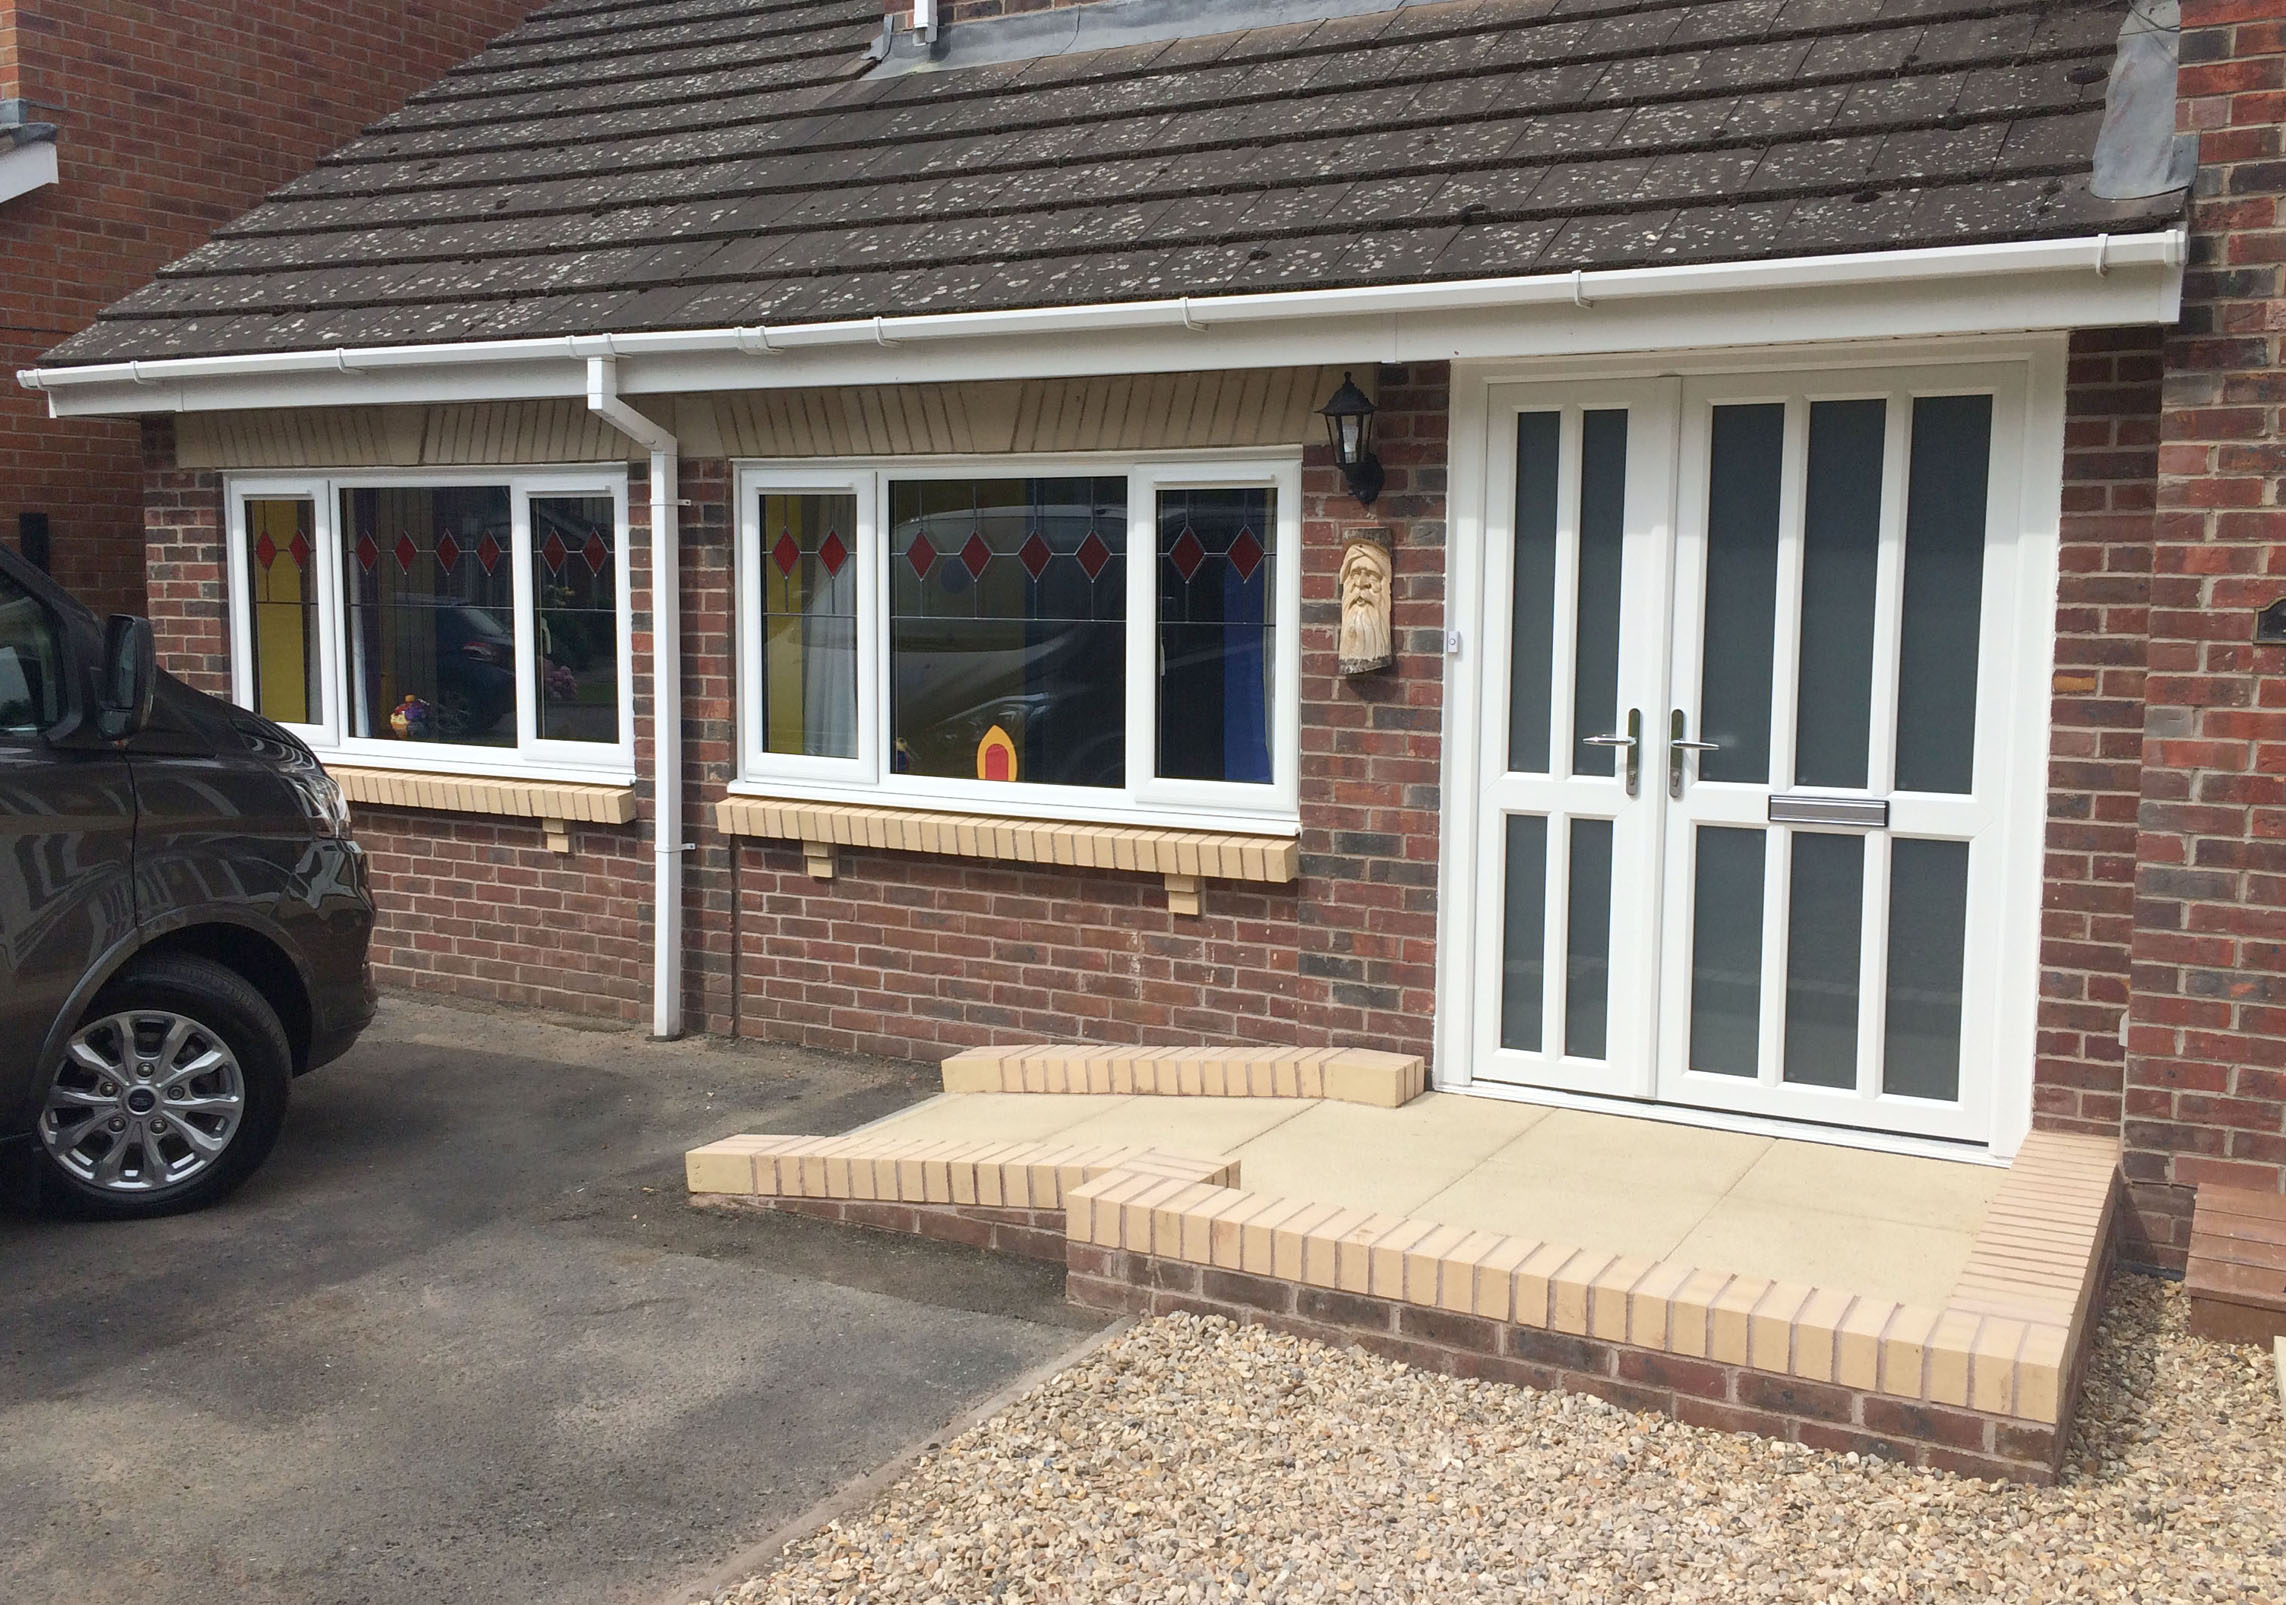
31	663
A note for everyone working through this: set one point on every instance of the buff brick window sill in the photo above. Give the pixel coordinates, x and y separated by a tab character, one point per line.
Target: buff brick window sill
556	804
1187	858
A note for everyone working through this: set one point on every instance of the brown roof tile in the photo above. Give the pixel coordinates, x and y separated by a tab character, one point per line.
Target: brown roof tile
623	164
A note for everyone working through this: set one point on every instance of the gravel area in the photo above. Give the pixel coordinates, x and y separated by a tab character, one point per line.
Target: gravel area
1194	1460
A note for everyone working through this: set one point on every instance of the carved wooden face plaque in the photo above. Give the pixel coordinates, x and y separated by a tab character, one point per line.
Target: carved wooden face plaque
1366	574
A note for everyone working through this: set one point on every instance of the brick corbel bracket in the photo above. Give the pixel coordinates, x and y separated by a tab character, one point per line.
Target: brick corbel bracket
1186	858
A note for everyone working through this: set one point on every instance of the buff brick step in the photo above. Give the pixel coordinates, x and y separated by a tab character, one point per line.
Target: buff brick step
1984	1385
923	1171
1343	1075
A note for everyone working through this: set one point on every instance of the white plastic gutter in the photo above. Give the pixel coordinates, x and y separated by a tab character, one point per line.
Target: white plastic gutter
2100	254
666	692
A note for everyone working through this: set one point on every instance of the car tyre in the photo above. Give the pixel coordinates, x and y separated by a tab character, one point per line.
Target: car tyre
173	1048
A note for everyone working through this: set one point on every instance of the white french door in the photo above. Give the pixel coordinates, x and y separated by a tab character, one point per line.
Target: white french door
1749	645
1567	896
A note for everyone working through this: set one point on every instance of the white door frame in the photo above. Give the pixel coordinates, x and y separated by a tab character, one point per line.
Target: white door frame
2025	736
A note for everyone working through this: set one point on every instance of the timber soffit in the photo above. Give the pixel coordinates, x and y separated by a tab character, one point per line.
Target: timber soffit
654	165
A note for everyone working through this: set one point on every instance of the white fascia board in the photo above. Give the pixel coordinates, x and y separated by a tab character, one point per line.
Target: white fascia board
1984	289
25	168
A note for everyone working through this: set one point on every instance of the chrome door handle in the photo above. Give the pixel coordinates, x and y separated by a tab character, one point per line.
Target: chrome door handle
1632	742
1677	745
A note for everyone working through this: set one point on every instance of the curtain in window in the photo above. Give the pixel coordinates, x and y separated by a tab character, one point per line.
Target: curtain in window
809	625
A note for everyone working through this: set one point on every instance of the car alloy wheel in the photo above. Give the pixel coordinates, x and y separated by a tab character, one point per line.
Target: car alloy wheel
146	1099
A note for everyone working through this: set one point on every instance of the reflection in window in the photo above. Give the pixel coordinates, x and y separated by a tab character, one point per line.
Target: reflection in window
1947	481
282	579
430	588
1532	604
1215	634
575	595
1603	534
1746	457
1007	629
809	625
31	663
1841	548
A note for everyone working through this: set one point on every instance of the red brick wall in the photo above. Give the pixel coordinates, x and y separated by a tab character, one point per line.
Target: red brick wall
2111	440
2206	1069
175	118
909	955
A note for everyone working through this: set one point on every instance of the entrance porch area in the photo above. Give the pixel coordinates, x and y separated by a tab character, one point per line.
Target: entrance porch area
1846	1299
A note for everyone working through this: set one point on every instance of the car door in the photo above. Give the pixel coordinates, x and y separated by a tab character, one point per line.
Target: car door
67	836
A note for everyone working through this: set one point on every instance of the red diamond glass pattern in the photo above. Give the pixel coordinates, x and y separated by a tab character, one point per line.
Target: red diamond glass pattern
265	551
1186	554
299	550
406	552
1245	555
921	554
555	551
832	553
975	557
448	551
1034	555
785	554
488	553
596	553
1093	555
368	554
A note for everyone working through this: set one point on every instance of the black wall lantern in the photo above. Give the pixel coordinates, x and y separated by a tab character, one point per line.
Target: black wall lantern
1349	425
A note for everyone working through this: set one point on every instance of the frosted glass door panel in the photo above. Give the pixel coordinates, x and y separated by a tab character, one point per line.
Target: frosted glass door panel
1841	550
1745	464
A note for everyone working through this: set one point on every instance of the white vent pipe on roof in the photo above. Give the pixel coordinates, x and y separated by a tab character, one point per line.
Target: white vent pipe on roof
666	692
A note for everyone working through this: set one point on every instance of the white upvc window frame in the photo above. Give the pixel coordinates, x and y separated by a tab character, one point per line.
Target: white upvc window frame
531	756
1271	808
865	542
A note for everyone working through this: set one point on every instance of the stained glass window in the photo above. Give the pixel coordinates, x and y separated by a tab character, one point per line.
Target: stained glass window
575	591
1216	633
1008	629
808	669
431	614
281	580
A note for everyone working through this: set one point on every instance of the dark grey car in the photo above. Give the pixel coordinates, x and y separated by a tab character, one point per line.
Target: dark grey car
183	918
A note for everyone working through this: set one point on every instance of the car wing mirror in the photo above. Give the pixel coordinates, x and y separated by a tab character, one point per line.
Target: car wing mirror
130	677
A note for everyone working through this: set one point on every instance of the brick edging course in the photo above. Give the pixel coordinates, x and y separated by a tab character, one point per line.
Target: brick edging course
1699	1393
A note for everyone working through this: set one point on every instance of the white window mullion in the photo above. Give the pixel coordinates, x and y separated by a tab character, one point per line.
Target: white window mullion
1142	632
526	615
1873	966
870	554
239	578
331	625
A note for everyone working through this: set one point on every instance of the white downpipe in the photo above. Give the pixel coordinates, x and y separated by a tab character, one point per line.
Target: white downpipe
2098	255
666	693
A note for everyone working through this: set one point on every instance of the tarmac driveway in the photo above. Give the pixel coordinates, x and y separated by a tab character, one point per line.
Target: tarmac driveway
462	1339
